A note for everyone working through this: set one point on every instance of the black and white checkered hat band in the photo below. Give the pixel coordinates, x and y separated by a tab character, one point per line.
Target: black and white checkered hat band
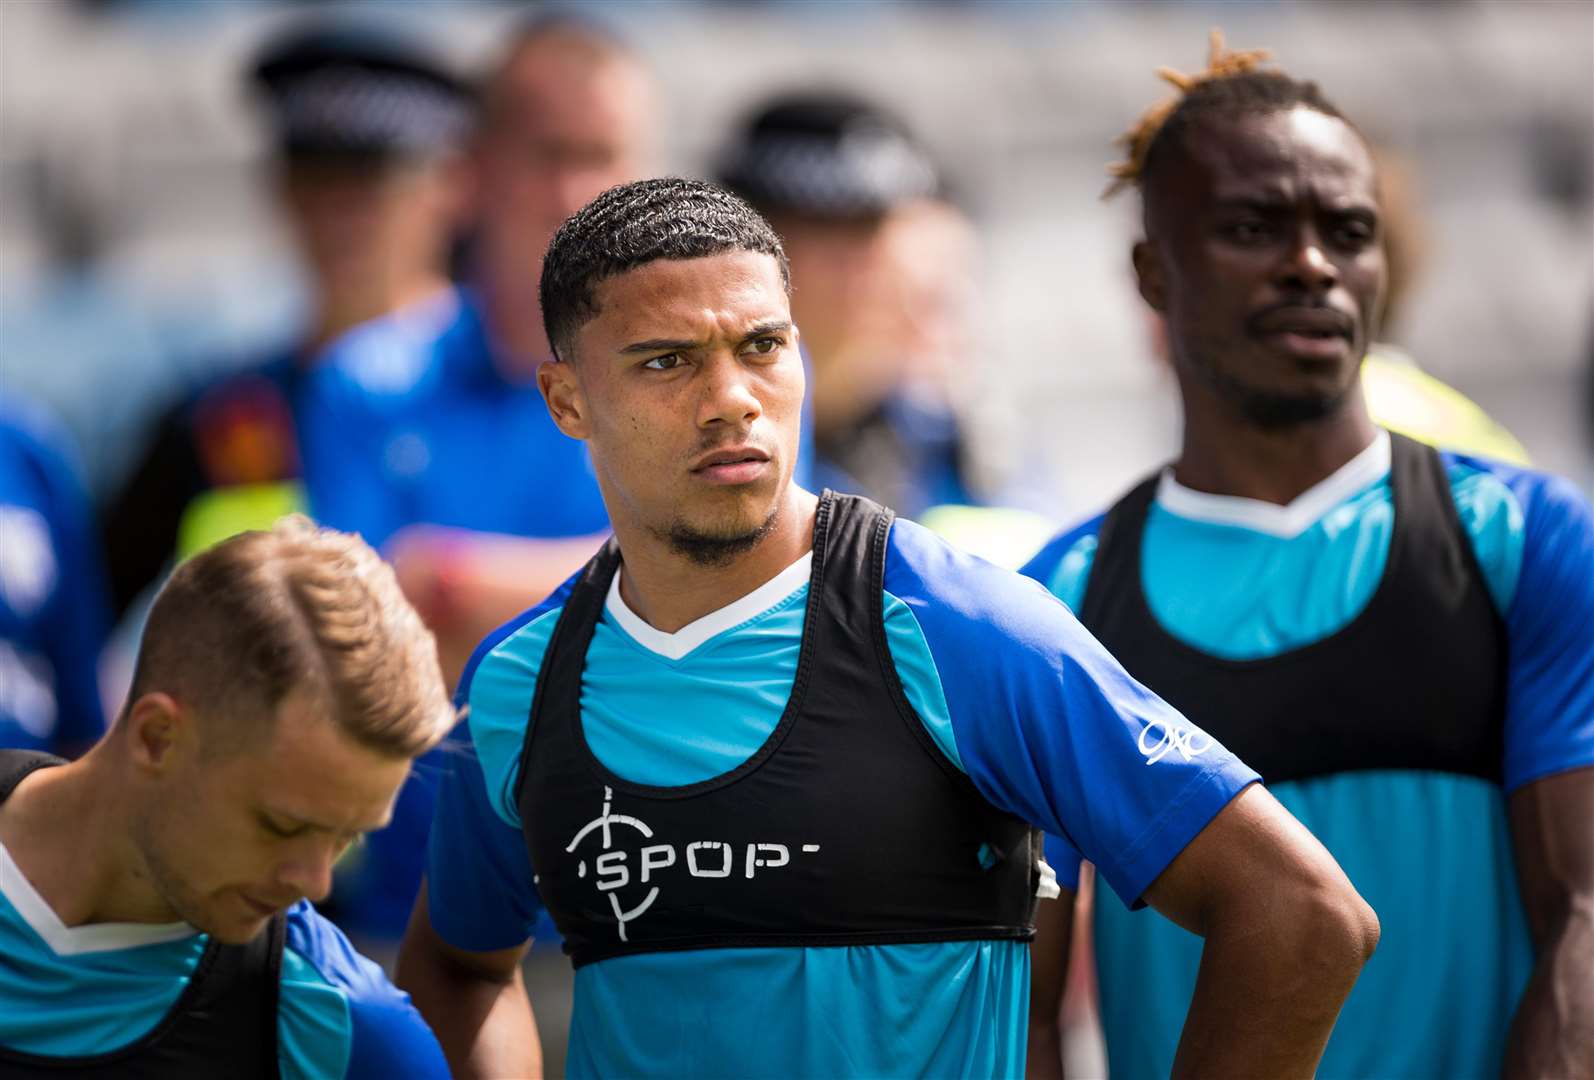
358	110
865	170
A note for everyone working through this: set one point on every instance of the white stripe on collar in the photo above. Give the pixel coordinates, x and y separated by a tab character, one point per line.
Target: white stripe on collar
676	645
1285	522
65	940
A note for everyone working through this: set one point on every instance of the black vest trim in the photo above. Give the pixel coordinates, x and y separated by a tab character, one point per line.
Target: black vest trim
224	1021
871	836
1415	680
17	765
585	612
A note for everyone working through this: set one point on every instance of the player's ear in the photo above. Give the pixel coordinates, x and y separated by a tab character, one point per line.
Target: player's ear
156	726
561	389
1148	275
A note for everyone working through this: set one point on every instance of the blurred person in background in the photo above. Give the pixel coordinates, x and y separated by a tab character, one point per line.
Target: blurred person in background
53	612
367	128
438	443
425	431
365	125
1400	395
882	268
1401	640
155	895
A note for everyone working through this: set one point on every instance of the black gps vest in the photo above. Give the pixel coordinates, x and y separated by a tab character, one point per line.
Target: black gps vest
1416	681
847	827
224	1024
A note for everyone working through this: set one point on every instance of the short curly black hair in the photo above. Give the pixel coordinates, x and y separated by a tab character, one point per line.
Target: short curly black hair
635	224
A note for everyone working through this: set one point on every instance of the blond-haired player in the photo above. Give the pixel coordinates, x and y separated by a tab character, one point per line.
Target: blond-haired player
153	895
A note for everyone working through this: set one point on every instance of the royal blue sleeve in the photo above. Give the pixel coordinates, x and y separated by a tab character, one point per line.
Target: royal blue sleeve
1550	629
1043	567
1049	727
1046	567
481	889
71	625
386	1036
1064	861
79	614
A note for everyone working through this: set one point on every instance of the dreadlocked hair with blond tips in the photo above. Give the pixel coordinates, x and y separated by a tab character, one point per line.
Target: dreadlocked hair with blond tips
1233	82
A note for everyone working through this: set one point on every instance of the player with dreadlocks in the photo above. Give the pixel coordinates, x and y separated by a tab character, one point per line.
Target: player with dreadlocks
1400	640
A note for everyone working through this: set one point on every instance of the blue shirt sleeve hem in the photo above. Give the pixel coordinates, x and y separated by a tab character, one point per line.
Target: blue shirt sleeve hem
1185	816
1583	759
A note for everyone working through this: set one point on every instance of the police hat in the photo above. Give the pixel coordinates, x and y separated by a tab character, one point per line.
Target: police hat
356	92
827	155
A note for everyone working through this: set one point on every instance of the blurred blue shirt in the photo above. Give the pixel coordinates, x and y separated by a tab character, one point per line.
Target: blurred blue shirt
53	612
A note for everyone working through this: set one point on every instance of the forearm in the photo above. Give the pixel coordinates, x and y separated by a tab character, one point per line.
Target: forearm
1270	986
1553	1033
465	584
475	1003
1044	1060
1048	975
486	1027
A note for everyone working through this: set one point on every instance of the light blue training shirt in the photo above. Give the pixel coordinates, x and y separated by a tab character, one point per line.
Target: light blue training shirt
1430	851
1010	689
76	991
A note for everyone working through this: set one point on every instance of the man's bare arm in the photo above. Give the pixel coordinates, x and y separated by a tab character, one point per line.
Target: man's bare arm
1552	828
1054	932
476	1003
1286	936
465	583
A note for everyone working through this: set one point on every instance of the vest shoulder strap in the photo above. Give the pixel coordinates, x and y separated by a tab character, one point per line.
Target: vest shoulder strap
17	765
1118	548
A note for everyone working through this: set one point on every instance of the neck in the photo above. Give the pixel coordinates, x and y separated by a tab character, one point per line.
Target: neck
340	312
69	831
669	591
1224	454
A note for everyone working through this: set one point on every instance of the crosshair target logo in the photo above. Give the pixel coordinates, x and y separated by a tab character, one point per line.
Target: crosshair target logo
611	864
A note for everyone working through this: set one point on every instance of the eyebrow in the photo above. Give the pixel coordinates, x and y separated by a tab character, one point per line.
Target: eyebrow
661	345
774	326
668	345
1269	201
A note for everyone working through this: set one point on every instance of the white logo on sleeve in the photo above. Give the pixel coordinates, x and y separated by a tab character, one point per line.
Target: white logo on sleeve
1160	738
612	869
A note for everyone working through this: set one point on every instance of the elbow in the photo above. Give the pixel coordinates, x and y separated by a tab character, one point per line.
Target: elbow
1360	923
1337	930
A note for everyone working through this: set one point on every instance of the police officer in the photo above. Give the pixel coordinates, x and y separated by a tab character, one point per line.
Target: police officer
364	125
851	192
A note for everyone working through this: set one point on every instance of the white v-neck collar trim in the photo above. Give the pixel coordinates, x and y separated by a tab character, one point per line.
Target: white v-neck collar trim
676	645
1285	522
65	940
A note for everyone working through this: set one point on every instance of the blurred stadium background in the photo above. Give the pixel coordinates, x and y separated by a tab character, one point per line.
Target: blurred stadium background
138	247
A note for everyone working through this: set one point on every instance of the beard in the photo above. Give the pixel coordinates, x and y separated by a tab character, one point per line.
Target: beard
1274	411
1268	409
715	547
